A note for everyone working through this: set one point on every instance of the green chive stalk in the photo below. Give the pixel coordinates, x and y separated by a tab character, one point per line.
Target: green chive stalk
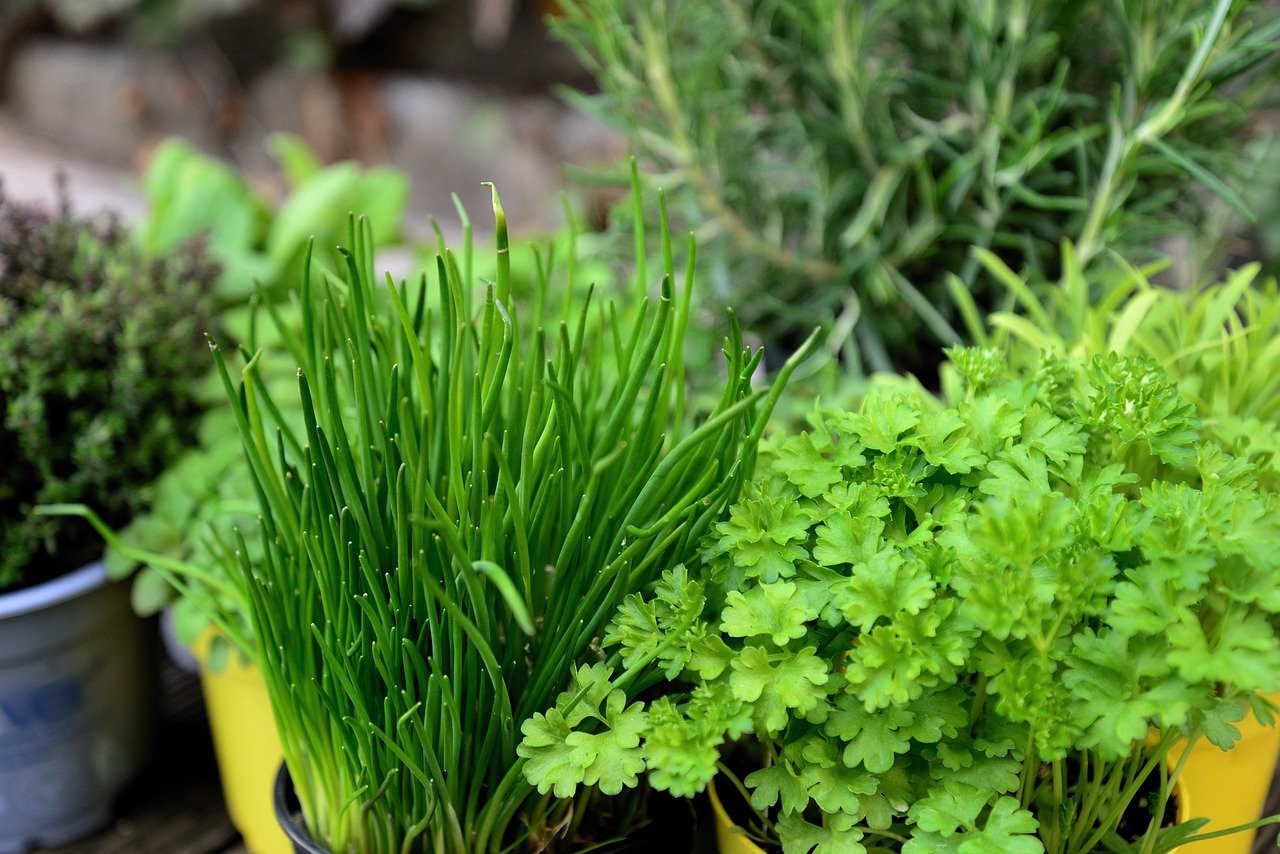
472	496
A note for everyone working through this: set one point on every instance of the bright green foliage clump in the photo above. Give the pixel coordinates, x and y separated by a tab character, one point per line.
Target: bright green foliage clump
474	490
1220	342
951	628
848	154
97	349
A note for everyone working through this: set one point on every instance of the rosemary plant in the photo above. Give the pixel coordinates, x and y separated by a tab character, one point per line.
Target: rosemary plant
97	347
474	493
846	155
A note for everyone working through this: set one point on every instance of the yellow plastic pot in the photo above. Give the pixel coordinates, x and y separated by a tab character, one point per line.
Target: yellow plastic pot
247	747
1230	787
731	841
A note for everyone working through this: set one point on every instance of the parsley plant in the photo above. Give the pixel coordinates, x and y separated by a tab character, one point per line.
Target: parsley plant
969	627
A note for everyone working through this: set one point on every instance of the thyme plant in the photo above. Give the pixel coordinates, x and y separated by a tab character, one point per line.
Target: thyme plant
846	155
97	347
475	490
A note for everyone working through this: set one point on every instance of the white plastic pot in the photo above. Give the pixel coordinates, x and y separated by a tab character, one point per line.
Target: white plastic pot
76	707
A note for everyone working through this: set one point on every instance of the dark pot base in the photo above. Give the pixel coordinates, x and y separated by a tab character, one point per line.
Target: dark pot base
672	828
289	815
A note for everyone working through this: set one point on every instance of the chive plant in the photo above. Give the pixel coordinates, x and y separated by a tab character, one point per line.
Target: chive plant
472	496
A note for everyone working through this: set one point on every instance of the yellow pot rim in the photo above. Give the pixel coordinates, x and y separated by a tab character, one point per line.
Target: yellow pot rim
731	842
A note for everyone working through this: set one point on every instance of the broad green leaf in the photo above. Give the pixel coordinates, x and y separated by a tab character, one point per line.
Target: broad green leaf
778	684
775	610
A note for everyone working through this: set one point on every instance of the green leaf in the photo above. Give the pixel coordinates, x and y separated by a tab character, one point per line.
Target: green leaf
611	759
317	209
764	536
895	663
872	739
835	787
883	419
776	610
150	592
382	194
682	747
949	808
992	422
949	818
1008	828
776	785
1244	652
666	627
577	743
296	160
710	656
847	538
882	587
778	683
189	622
550	764
1123	686
802	837
942	437
1133	399
804	461
1217	723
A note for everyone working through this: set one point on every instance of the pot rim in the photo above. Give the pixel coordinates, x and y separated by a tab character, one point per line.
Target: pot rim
55	592
298	836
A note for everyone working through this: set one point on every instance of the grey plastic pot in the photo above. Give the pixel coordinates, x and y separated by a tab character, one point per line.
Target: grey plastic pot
76	707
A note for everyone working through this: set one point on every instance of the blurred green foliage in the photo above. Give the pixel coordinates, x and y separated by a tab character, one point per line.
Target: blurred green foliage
204	498
190	193
848	155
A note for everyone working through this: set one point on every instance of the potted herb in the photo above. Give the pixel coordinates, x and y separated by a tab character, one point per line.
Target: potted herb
1216	341
181	557
475	489
96	347
979	626
181	553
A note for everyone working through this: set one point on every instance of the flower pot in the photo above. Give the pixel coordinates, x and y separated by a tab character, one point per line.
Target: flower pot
730	841
671	828
1229	787
76	706
287	814
247	747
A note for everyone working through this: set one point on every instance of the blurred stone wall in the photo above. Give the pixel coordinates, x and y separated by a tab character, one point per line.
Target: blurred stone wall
416	93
